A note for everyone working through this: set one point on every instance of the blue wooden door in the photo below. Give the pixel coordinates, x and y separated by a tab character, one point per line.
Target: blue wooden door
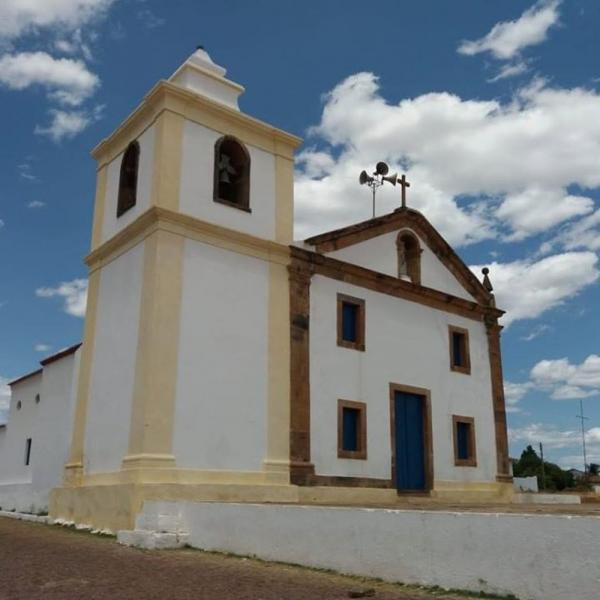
410	442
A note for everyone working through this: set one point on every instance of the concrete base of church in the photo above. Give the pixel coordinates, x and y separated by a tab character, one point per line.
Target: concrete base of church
538	557
116	506
21	497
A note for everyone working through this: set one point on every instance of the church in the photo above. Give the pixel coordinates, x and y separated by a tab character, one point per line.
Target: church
224	361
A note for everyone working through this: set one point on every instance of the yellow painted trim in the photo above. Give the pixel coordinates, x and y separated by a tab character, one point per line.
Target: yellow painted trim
166	172
170	474
99	205
278	401
153	404
202	110
74	466
162	219
284	200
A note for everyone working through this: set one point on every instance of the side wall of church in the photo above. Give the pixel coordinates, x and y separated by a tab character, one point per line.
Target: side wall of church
54	422
222	383
407	344
111	224
20	426
379	254
113	365
197	179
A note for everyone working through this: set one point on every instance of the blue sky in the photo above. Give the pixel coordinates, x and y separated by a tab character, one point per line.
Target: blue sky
492	110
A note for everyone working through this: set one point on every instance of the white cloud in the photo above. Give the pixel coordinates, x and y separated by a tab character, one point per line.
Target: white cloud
510	70
514	393
525	289
506	39
536	209
562	371
74	294
68	124
536	332
479	169
36	204
585	233
26	172
67	81
19	17
555	439
74	45
42	348
149	19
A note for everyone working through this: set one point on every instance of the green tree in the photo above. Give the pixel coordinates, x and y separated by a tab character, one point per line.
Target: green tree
530	465
594	469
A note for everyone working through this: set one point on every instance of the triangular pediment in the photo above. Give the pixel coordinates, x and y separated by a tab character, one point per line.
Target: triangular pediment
359	243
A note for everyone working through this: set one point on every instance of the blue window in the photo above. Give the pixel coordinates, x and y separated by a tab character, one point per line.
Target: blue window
463	434
352	429
350	425
351	322
464	442
460	360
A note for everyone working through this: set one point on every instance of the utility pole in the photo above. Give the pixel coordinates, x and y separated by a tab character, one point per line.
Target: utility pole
543	467
583	420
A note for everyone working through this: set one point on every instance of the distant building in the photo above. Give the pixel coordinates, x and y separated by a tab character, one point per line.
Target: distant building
223	361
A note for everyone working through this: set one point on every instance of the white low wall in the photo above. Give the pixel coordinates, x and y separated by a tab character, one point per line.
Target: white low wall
535	557
22	498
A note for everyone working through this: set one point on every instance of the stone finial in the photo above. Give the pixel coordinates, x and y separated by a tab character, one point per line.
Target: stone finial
487	284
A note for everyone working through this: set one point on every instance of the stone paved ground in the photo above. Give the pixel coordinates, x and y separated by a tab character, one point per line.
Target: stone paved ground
41	561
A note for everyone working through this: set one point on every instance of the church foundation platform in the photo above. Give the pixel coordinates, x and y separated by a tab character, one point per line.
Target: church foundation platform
115	506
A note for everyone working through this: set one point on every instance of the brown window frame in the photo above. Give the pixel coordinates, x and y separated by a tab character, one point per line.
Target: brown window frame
359	344
127	196
466	367
472	460
361	407
245	203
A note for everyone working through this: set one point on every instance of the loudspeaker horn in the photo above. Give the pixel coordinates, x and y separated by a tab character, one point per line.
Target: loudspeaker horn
381	168
364	178
392	178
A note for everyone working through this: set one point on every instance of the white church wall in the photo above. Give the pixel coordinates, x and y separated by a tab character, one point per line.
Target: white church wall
20	427
54	424
220	418
197	177
15	476
407	344
113	366
112	224
379	254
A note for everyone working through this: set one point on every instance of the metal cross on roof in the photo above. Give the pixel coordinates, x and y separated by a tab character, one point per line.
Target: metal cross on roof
405	184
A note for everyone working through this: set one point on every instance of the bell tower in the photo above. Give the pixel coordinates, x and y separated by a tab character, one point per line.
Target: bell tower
188	269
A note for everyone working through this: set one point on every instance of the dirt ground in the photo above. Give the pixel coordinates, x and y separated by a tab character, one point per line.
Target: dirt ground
41	561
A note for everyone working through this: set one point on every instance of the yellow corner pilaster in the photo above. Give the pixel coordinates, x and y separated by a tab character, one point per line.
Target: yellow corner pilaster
74	466
284	199
278	403
99	204
166	175
153	406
